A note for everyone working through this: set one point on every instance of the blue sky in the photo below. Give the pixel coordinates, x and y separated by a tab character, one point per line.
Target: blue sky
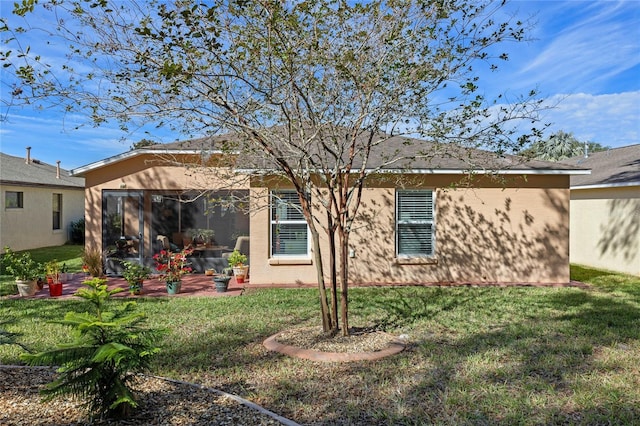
584	58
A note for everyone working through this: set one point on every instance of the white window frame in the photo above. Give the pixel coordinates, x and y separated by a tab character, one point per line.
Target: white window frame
274	221
427	221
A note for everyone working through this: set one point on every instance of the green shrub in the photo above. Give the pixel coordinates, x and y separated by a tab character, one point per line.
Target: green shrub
21	266
109	349
77	232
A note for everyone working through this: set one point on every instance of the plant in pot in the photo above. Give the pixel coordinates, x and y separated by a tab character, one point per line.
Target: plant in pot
237	261
24	269
92	262
64	273
135	274
172	266
52	270
221	281
201	235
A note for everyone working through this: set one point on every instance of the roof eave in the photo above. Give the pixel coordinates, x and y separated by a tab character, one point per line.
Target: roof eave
606	185
80	171
456	171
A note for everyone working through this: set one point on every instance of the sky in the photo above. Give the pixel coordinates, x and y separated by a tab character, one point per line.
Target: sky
583	57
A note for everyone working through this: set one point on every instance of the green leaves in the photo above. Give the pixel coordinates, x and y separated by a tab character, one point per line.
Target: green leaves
24	7
110	346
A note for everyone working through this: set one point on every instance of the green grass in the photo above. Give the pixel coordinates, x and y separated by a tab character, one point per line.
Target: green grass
68	254
477	355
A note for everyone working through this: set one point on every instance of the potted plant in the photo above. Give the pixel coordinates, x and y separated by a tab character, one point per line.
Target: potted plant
237	261
92	262
201	235
52	270
221	282
24	269
64	273
135	274
172	266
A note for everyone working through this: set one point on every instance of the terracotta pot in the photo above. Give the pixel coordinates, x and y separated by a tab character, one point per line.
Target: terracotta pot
240	273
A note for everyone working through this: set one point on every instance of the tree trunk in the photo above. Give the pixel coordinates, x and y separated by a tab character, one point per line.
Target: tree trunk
344	281
333	271
322	293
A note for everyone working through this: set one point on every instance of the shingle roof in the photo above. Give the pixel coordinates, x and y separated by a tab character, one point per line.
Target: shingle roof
614	167
419	154
15	171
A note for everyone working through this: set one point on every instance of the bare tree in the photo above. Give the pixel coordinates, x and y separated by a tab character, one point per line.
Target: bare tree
315	90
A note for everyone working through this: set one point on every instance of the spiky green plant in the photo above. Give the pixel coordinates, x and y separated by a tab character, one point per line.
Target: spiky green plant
109	349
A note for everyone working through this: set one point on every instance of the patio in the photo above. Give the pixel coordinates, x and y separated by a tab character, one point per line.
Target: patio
192	285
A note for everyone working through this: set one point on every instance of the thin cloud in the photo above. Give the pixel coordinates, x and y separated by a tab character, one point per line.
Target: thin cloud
583	56
609	119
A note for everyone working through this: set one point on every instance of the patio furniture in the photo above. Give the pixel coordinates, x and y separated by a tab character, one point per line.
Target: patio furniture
242	245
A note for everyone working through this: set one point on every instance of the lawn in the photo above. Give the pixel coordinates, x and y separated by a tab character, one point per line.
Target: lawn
477	355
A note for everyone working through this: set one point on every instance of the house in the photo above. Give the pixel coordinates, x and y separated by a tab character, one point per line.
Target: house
605	210
428	220
39	201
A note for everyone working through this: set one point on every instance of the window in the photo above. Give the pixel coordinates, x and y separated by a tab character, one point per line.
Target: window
57	211
289	233
13	200
414	223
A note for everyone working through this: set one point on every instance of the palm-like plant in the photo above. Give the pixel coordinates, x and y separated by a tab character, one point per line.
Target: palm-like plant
110	348
561	146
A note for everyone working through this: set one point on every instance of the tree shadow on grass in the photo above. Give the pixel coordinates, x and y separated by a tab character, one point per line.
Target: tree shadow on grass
508	373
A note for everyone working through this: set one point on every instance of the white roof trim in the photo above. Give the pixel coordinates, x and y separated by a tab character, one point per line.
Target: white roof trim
134	153
458	171
605	185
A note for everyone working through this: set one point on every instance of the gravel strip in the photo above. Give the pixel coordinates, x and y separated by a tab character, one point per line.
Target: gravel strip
162	402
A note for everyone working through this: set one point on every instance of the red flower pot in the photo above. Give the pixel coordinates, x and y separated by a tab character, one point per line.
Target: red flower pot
55	289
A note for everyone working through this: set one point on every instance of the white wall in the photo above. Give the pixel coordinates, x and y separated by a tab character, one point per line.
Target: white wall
32	226
605	228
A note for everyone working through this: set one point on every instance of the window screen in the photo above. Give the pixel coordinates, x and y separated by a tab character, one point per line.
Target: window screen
289	234
414	223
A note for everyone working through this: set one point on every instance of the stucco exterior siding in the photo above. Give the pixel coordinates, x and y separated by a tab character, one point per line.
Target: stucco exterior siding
513	229
32	226
482	235
605	228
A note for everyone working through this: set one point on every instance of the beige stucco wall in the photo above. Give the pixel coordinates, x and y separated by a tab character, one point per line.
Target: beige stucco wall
490	234
516	230
605	228
32	226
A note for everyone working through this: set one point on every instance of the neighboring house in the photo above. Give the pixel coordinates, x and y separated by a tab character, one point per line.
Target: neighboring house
39	201
430	222
605	210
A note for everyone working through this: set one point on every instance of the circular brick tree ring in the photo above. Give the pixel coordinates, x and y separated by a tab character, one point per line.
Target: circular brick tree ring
396	346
